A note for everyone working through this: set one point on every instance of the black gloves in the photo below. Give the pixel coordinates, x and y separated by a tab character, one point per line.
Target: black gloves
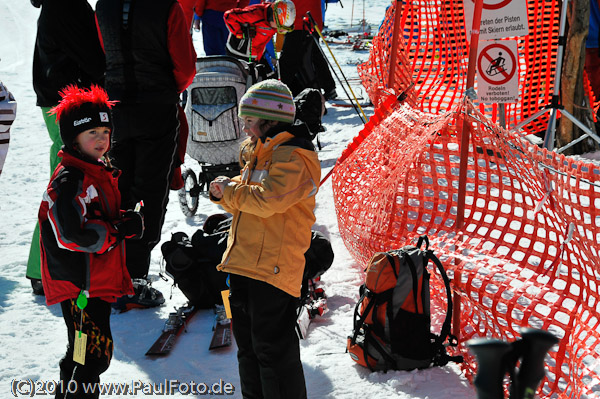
131	225
249	31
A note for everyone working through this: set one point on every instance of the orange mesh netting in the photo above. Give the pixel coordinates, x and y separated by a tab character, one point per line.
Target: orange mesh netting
532	228
433	54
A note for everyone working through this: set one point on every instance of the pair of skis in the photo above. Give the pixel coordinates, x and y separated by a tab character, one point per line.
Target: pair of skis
177	323
313	304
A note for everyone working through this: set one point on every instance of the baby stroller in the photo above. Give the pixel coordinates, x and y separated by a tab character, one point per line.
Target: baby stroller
215	131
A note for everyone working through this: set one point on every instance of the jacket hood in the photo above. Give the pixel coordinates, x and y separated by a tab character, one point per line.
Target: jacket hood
298	129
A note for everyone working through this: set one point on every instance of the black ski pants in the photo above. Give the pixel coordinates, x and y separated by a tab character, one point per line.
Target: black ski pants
99	349
263	322
143	146
304	68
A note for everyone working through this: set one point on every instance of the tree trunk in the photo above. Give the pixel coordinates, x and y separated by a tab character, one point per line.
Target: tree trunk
571	87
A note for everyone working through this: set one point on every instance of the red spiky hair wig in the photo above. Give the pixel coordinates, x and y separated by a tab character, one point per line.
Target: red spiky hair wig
82	109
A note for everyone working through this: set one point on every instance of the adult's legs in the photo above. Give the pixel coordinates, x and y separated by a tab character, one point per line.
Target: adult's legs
324	77
294	63
143	147
33	261
214	32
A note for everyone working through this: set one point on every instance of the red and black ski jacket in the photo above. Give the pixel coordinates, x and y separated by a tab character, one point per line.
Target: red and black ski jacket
79	248
255	16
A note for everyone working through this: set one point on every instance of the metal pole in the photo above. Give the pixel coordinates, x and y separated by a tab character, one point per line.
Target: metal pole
551	129
465	127
316	28
502	114
394	50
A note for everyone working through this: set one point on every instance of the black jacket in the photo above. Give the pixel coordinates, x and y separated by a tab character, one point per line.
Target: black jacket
67	49
139	68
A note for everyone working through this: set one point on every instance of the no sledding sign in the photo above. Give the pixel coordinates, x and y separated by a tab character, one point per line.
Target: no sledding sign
497	71
499	18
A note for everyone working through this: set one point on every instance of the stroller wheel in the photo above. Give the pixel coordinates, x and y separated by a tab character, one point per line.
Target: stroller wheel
187	201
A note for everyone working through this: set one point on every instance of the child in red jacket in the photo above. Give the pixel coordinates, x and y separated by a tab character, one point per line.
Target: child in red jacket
252	27
82	231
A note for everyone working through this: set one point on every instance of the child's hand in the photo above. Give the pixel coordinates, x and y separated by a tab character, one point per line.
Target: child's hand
131	225
217	186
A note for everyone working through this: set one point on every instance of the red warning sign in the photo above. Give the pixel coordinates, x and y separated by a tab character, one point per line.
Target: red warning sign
496	64
497	77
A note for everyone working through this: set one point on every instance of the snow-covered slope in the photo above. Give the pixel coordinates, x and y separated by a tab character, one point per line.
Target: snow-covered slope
32	335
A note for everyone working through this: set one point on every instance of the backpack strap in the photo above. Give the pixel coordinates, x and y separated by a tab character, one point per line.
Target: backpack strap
415	279
445	332
422	239
361	319
441	357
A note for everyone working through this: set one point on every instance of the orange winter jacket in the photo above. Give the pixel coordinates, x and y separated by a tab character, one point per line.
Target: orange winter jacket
272	203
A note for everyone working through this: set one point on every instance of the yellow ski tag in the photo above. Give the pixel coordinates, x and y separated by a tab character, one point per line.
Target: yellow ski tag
80	347
225	295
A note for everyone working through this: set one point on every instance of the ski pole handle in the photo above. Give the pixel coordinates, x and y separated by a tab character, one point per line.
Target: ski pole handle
535	345
490	354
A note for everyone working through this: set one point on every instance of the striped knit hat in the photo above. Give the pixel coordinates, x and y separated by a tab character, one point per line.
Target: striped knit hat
270	100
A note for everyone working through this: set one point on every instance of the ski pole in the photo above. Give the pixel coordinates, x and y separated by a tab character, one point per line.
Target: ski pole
338	78
308	27
534	345
314	25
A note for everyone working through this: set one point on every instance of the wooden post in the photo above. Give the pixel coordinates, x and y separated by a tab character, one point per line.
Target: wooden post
571	82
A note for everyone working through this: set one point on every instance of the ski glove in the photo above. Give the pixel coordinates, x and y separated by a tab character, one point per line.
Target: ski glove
249	31
131	225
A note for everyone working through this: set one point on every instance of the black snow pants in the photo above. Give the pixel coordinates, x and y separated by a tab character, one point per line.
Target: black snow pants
99	349
263	322
143	146
304	68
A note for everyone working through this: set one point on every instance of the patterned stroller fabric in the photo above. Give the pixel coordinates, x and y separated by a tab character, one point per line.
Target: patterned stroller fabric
212	108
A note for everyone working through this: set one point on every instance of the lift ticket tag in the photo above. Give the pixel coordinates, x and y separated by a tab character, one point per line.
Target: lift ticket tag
79	347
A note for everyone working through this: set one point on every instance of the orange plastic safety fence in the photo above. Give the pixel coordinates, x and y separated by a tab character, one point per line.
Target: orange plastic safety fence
433	54
528	252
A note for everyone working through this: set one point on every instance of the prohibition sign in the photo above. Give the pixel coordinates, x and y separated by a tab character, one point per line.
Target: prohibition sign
494	6
504	75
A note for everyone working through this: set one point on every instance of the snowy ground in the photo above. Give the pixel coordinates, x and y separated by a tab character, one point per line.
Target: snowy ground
32	335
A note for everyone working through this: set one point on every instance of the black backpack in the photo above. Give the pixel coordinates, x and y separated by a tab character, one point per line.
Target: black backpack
191	263
318	259
392	319
310	108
